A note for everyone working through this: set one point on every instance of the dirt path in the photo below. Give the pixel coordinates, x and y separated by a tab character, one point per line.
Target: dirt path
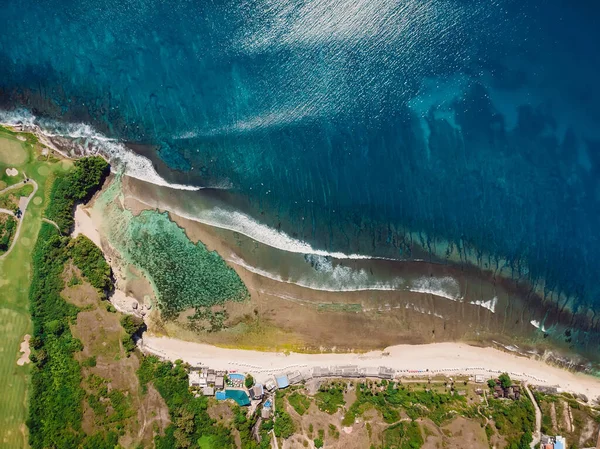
23	206
14	186
47	220
538	419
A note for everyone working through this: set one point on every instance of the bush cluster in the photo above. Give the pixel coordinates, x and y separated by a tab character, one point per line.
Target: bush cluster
78	185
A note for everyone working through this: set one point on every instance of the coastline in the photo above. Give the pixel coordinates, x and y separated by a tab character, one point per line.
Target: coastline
409	360
449	358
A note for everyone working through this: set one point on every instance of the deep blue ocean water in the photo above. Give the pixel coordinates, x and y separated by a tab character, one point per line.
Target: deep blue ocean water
460	129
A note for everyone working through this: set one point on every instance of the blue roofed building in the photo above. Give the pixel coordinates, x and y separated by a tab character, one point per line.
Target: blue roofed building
282	381
560	443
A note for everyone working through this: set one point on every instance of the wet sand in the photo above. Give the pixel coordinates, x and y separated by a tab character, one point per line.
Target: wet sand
284	316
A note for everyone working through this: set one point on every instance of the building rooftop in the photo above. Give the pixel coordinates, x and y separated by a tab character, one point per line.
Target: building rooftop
282	381
257	391
208	391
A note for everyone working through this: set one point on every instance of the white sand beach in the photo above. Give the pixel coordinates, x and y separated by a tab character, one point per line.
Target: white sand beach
84	224
410	360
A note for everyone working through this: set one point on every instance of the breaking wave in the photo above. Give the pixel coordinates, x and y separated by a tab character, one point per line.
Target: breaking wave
244	224
446	287
72	139
337	279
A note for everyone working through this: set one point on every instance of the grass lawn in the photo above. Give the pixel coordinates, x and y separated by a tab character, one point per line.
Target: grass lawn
15	275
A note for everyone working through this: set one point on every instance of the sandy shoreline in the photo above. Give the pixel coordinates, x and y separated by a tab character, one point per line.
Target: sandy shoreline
449	358
441	358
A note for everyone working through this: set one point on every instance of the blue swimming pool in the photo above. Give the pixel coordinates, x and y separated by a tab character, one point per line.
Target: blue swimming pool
220	395
236	376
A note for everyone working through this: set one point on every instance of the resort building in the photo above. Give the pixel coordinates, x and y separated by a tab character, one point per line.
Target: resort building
257	391
282	381
386	373
270	385
219	382
295	377
557	442
194	379
208	391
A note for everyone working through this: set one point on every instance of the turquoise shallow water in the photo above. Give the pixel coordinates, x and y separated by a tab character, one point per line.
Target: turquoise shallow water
462	130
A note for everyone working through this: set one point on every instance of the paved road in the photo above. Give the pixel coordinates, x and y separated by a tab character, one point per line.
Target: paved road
23	206
537	435
14	186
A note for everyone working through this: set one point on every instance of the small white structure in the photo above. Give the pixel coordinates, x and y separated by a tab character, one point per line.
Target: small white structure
208	391
194	379
479	378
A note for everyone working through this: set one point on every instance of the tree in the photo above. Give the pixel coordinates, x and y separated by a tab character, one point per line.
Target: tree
249	382
505	380
491	383
318	442
284	426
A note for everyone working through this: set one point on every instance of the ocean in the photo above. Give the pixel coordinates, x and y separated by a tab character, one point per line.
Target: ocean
344	137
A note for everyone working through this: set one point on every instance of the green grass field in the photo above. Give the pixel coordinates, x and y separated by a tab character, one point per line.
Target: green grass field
15	275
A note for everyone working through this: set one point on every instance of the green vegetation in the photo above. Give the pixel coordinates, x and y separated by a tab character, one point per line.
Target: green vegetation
584	417
55	407
318	442
8	228
90	260
189	416
402	436
111	407
330	398
334	432
515	420
439	407
244	426
505	380
15	276
55	413
299	402
184	274
284	426
78	185
249	381
133	327
10	199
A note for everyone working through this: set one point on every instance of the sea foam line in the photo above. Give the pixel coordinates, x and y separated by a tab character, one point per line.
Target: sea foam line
244	224
94	143
302	283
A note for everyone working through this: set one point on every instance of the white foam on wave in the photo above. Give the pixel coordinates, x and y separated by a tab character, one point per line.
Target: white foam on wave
244	224
538	325
489	304
445	287
340	279
87	140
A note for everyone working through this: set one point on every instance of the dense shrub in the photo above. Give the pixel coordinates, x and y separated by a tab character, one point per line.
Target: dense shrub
90	260
189	416
133	326
78	185
7	231
55	411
